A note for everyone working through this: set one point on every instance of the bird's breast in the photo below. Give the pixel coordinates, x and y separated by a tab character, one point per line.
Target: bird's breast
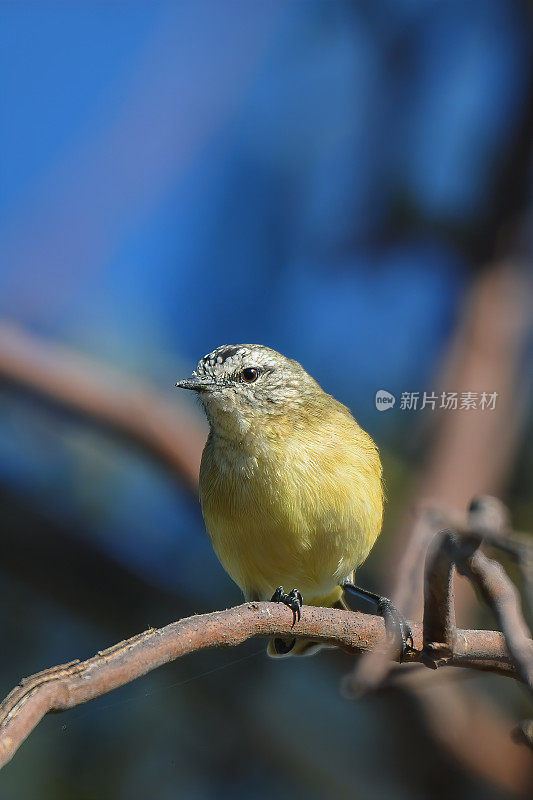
288	512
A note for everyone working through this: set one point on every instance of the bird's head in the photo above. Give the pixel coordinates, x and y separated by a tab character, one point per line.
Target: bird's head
240	384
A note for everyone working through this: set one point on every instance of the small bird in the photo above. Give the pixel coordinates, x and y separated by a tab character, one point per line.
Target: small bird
290	485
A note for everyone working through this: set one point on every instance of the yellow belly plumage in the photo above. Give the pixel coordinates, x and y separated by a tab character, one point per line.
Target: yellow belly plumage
297	504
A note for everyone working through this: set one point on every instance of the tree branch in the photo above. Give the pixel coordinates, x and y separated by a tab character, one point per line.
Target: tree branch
460	548
68	685
126	408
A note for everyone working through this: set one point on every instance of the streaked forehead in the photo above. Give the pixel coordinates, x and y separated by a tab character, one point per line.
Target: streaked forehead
232	356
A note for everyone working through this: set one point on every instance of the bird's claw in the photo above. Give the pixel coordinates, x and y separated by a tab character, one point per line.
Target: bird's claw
292	599
395	624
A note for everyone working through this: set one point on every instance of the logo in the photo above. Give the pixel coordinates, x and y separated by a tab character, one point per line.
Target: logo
384	400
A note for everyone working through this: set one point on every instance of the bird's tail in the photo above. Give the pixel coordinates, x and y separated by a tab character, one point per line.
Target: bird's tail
282	647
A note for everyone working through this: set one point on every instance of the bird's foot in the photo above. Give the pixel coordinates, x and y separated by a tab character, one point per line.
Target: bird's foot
396	625
292	599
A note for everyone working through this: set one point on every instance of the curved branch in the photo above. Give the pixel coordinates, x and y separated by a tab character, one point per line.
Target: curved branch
81	386
503	598
451	548
68	685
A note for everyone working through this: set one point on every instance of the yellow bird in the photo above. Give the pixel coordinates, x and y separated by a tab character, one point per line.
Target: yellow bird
290	484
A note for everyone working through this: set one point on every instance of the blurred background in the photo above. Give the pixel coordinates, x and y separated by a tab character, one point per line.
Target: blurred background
347	182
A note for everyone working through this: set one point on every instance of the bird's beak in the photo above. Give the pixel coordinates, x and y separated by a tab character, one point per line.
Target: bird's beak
197	384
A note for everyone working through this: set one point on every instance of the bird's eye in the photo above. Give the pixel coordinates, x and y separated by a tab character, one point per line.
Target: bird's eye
250	374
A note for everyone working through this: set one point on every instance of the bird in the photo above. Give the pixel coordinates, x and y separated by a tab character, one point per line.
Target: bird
291	486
